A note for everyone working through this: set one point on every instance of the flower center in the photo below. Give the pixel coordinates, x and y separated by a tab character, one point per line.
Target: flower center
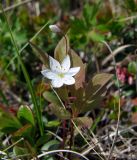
61	75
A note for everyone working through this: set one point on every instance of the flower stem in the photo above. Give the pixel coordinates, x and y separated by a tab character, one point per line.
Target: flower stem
13	144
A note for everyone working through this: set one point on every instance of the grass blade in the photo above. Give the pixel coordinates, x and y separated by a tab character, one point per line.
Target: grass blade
27	78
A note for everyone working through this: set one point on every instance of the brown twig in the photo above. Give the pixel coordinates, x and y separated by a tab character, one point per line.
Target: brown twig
112	53
16	5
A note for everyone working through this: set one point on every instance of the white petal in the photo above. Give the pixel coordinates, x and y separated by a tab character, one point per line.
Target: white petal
65	64
54	28
57	83
54	65
68	80
48	74
73	71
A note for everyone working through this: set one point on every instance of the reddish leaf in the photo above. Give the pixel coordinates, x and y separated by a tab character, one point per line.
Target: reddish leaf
77	62
78	96
83	122
134	101
23	130
134	118
93	101
40	54
62	93
60	112
96	83
62	49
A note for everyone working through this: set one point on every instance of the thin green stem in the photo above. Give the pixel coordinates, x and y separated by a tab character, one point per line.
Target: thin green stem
58	97
4	98
27	78
13	144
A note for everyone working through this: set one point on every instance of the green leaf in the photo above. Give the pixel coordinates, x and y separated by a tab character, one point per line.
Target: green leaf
51	97
9	122
80	76
25	113
40	54
19	150
131	4
90	11
56	106
55	123
44	139
51	145
62	49
132	67
78	26
95	36
60	112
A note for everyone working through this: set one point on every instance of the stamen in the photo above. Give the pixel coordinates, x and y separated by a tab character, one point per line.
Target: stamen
61	75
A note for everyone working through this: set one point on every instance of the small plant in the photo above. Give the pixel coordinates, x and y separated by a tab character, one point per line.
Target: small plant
60	103
69	97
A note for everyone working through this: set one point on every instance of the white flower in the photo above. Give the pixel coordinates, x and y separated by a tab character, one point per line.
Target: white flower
60	74
2	153
54	28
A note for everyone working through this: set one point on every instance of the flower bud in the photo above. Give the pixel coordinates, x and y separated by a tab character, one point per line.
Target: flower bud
54	28
130	80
